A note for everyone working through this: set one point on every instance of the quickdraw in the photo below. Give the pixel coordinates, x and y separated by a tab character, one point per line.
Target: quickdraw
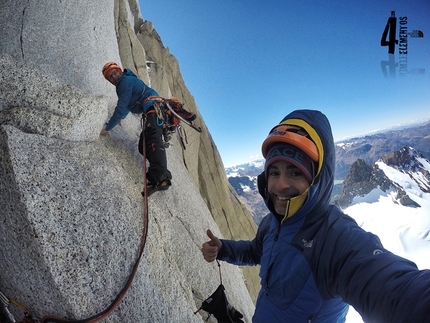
182	137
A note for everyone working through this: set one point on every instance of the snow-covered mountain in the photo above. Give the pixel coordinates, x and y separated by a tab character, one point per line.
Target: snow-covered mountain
390	198
403	229
243	178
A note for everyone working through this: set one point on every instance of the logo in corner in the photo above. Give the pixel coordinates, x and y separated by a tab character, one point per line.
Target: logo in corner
389	39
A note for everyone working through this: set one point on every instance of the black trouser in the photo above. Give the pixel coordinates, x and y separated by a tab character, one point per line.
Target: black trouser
155	150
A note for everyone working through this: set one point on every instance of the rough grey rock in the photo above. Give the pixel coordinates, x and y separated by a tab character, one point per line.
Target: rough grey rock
71	206
71	225
69	39
38	103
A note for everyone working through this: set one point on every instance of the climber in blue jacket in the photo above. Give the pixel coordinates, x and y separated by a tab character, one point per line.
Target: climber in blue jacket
314	259
134	96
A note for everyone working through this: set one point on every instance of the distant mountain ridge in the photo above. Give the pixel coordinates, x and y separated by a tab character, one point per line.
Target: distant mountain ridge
372	147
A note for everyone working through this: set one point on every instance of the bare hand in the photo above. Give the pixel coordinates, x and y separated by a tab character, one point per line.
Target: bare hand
105	132
211	248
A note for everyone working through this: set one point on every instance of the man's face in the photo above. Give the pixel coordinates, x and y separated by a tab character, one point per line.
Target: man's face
284	181
113	76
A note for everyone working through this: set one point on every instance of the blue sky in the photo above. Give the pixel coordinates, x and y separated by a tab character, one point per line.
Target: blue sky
249	63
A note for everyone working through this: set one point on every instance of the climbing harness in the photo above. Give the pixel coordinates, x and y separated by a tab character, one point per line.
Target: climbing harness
218	305
102	315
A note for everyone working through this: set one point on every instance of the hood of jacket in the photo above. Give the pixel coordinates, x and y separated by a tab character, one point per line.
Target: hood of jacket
316	198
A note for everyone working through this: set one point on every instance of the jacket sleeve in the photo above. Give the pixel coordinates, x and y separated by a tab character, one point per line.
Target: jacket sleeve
124	91
380	285
245	252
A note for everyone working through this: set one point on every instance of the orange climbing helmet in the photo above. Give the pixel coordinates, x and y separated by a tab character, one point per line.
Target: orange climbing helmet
293	135
108	67
293	144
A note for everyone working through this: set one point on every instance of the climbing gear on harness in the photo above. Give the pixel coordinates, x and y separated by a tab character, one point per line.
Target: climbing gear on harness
187	122
172	112
167	135
218	305
179	109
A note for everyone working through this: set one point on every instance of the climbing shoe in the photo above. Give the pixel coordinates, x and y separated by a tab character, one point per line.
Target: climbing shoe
161	186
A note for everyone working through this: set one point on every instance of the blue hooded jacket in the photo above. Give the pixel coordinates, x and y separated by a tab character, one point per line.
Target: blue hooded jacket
318	261
131	92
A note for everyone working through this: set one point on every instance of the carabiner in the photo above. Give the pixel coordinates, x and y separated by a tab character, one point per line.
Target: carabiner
5	303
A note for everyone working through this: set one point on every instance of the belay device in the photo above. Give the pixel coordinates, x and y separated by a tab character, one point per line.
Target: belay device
218	305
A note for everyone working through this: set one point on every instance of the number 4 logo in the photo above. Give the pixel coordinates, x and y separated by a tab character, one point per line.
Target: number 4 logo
390	28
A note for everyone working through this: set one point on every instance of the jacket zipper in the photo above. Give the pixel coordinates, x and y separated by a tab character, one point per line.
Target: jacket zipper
287	211
277	231
287	208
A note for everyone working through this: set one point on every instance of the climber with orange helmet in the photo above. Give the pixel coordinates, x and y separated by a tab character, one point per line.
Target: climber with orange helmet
132	95
314	259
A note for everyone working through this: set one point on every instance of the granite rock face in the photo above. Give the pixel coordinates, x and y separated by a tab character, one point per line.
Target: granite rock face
36	102
69	39
71	206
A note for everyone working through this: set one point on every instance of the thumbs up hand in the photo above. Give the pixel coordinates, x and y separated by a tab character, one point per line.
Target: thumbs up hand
210	248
